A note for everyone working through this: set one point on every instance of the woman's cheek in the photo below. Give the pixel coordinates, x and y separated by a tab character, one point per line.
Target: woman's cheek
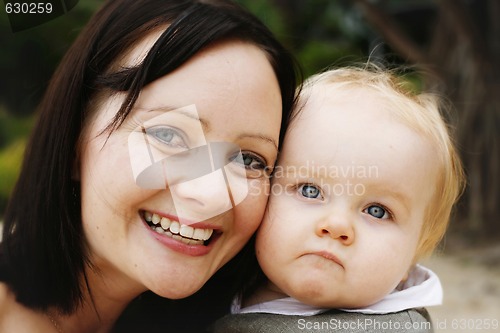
251	210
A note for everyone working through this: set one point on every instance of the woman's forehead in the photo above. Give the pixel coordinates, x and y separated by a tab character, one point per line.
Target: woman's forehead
139	50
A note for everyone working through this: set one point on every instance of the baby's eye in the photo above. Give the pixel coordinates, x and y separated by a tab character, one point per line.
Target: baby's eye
377	211
310	191
167	135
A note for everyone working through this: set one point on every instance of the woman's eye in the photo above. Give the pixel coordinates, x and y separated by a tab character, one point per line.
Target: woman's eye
310	191
252	162
255	166
377	211
167	135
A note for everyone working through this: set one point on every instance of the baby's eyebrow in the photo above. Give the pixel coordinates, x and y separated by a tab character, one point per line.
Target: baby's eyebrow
397	195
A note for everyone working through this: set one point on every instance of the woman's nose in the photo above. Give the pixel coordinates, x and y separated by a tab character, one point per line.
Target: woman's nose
201	183
203	197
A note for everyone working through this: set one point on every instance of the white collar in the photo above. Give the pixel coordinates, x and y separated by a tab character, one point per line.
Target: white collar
421	289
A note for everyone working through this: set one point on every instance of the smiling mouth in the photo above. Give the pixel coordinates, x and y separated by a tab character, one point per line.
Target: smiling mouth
180	232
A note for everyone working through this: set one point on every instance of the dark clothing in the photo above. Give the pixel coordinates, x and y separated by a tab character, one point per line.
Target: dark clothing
410	321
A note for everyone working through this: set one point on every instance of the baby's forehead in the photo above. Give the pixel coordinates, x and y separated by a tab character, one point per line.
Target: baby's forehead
369	101
340	118
324	98
325	105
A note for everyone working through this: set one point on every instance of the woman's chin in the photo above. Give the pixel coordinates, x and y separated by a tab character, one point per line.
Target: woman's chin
178	294
179	289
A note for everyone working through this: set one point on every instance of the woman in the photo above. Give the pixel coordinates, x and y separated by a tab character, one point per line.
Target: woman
81	237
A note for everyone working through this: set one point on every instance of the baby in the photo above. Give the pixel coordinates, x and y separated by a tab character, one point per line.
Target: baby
362	191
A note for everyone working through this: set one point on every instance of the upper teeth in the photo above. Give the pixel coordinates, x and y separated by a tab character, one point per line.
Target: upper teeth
176	228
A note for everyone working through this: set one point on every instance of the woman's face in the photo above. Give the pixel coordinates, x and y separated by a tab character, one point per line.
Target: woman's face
151	234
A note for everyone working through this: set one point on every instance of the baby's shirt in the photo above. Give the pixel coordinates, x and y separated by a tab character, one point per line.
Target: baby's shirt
421	289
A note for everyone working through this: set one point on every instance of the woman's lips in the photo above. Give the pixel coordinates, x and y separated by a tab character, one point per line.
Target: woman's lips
196	239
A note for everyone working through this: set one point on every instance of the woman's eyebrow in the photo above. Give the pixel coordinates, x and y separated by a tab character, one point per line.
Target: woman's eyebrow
260	137
204	124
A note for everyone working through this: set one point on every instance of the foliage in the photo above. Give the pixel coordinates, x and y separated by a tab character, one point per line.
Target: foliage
10	165
268	13
316	56
29	57
12	128
13	134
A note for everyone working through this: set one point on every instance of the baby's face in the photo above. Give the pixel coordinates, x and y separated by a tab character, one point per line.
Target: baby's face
348	201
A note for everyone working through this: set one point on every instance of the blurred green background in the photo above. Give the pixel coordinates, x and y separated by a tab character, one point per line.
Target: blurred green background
452	46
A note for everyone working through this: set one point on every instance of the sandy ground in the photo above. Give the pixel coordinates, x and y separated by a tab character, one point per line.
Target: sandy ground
471	284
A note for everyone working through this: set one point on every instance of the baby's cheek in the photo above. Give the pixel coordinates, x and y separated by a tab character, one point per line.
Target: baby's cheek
384	279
